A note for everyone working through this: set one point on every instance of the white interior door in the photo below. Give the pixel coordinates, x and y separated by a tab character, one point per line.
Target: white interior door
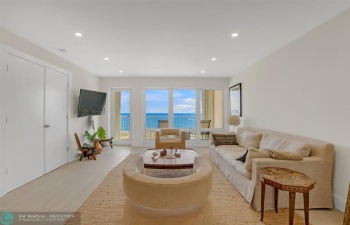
25	121
56	97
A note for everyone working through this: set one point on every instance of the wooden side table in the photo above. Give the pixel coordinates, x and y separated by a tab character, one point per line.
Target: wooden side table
109	140
286	180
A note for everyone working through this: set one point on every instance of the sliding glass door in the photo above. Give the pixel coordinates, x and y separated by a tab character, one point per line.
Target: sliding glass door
157	111
196	111
184	111
121	116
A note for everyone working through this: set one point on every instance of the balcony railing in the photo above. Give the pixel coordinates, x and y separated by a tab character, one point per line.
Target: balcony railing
124	128
181	122
125	123
184	122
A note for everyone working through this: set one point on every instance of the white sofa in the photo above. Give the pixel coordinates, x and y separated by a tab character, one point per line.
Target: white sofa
318	166
167	201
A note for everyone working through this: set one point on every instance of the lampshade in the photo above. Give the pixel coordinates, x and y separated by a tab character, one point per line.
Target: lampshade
233	120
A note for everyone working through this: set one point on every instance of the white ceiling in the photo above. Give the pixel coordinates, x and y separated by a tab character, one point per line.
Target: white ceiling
163	38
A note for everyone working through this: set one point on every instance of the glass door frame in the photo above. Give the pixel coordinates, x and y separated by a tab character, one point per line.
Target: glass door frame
150	142
111	118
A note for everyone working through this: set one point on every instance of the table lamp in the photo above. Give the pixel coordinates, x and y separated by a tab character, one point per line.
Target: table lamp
233	120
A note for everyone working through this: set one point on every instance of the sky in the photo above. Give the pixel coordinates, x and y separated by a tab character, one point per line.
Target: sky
125	102
184	101
157	101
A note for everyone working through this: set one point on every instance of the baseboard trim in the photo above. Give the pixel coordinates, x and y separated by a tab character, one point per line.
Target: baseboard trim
339	203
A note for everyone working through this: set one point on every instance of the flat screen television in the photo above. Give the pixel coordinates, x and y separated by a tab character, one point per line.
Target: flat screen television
91	103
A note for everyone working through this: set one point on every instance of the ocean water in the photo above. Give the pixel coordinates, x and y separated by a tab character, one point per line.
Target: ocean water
181	120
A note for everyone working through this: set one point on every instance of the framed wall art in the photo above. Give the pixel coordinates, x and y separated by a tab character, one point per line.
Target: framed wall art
235	93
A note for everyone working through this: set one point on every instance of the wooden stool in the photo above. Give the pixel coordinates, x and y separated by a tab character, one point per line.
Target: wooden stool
286	180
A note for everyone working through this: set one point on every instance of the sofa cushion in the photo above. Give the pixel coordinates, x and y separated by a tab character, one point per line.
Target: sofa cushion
254	153
284	155
226	150
225	139
230	153
274	142
240	167
248	139
171	140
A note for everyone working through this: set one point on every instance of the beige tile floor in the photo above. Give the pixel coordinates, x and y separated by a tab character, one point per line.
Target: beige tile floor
66	188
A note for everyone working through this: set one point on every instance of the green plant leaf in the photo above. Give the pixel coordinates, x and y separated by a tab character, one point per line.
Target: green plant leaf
90	137
101	133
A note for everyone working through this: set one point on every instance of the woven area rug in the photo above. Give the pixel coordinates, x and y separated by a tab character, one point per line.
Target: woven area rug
105	204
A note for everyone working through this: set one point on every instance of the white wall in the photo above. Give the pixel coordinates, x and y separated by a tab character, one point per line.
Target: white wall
303	89
79	79
137	86
1	13
2	127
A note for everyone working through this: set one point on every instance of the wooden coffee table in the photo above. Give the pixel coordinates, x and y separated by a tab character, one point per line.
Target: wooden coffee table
163	162
286	180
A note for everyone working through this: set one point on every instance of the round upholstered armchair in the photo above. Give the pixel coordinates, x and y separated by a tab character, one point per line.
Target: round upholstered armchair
167	201
170	138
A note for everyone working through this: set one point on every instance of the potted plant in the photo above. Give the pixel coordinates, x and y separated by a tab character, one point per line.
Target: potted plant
100	134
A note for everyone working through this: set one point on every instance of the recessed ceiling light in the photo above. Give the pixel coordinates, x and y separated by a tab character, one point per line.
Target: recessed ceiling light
234	35
106	59
120	71
78	34
202	71
213	59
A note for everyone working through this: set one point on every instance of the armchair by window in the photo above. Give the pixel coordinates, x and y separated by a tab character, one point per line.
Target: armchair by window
170	138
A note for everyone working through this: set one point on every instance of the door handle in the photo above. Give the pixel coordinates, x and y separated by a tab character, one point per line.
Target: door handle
46	125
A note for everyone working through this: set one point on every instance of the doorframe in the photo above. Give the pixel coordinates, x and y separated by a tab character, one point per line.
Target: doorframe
111	113
5	51
3	60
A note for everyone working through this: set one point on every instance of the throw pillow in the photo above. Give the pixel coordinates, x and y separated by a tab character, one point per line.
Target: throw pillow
284	155
254	153
243	157
273	142
212	137
225	139
248	139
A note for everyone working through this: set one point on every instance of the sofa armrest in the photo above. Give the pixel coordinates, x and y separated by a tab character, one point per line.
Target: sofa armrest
309	166
318	169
